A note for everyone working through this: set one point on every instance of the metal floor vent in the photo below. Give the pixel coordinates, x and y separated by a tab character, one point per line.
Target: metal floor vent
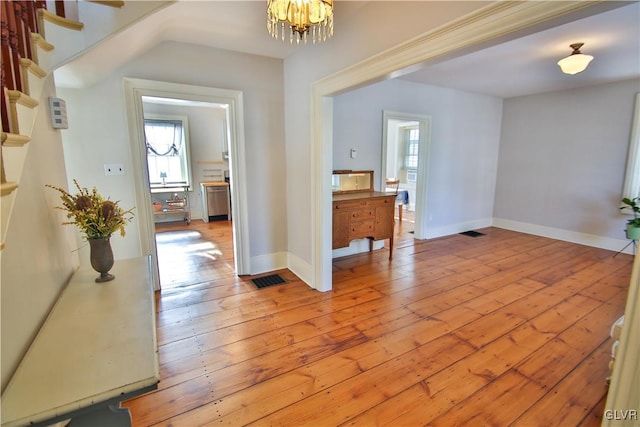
472	233
266	281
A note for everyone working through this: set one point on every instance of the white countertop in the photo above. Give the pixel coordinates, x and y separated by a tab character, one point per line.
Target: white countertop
98	343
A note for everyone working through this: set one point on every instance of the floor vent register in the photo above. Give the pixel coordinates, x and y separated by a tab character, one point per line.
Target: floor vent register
266	281
472	233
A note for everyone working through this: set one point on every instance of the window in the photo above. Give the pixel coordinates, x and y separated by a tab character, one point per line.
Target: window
167	151
631	187
412	140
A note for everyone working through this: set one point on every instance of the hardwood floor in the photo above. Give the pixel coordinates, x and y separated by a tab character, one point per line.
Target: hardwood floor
501	329
193	254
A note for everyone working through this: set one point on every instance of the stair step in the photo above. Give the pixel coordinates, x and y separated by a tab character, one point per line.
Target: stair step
38	42
44	14
14	140
17	97
30	65
41	42
8	188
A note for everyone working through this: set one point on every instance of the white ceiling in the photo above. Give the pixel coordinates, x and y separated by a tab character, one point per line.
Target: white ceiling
529	64
518	67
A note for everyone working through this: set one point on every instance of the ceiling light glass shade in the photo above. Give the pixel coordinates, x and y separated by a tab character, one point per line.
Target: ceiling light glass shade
576	62
306	18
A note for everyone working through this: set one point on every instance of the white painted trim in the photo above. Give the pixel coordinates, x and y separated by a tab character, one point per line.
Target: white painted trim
321	192
424	169
136	88
482	27
300	268
565	235
448	230
269	262
135	115
624	393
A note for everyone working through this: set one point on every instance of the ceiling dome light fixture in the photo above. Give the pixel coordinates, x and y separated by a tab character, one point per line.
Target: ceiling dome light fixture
302	16
576	62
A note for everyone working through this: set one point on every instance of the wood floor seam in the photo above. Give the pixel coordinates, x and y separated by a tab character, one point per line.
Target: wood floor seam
507	329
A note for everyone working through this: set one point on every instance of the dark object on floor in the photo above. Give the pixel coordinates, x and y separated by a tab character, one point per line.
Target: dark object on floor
263	282
472	233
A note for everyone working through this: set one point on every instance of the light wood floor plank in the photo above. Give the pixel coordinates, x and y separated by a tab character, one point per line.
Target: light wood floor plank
582	389
501	329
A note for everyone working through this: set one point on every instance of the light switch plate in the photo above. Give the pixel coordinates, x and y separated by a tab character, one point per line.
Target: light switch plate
113	169
58	113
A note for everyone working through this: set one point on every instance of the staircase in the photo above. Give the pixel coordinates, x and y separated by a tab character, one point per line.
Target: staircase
30	32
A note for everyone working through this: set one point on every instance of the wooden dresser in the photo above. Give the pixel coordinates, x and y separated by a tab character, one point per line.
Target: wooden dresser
360	215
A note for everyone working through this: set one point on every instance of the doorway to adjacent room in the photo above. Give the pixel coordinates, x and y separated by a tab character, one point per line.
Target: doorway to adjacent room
405	156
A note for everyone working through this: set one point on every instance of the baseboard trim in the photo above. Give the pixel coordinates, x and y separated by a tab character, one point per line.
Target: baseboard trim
448	230
300	268
279	261
592	240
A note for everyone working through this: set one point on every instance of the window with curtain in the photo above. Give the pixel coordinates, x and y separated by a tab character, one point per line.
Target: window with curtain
167	152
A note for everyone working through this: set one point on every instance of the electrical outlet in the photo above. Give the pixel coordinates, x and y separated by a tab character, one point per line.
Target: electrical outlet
114	169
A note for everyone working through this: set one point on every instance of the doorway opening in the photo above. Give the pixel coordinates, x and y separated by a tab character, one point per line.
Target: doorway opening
405	157
187	149
135	91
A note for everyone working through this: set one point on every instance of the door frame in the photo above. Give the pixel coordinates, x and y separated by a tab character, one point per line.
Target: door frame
424	125
134	90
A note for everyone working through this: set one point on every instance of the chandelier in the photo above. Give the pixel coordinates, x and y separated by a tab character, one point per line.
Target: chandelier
306	18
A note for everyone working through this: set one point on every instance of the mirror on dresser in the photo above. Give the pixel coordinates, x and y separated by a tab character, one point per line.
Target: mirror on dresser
347	181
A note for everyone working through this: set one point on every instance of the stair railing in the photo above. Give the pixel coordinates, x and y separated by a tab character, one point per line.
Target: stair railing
18	22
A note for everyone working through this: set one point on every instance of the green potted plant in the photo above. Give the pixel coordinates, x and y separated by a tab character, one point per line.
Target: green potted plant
633	224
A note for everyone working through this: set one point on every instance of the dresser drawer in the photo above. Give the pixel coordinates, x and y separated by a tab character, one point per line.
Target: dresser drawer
386	201
361	229
359	214
351	204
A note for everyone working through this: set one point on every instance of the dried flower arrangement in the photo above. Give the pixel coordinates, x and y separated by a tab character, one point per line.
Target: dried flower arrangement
96	217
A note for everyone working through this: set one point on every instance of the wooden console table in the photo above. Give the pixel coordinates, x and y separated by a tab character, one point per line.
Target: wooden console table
360	215
96	348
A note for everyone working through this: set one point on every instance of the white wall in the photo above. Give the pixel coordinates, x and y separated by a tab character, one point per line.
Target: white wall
39	256
465	136
563	157
100	135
